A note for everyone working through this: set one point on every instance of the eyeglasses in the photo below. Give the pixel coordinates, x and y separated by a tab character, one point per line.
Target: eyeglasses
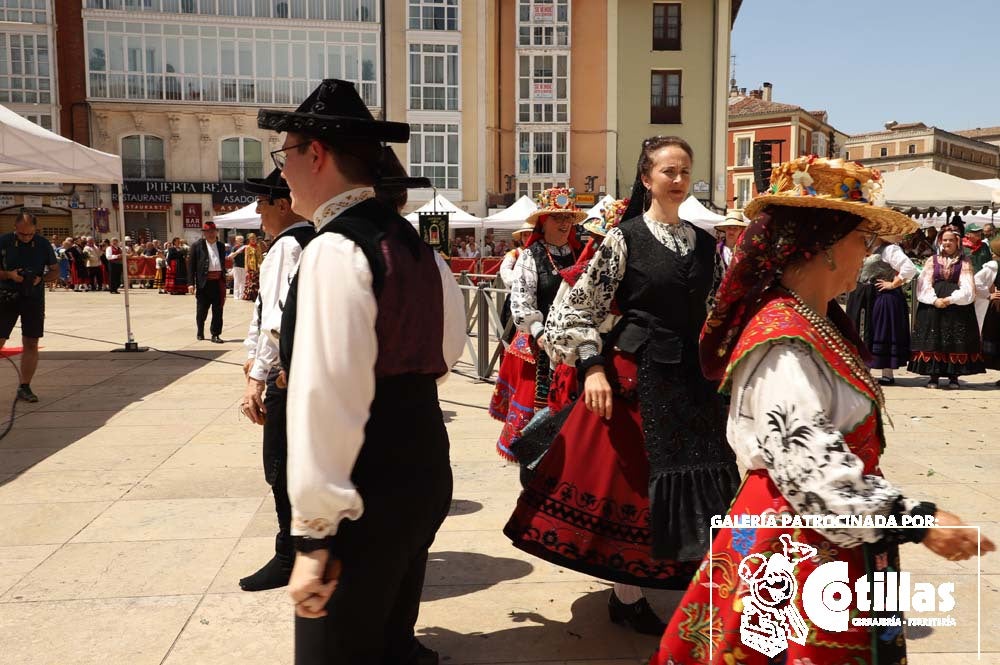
871	238
280	156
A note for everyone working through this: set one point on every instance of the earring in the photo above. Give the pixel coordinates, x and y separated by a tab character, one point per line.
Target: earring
829	260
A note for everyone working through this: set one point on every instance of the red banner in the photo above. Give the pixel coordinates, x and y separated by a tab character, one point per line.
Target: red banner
141	267
490	266
467	265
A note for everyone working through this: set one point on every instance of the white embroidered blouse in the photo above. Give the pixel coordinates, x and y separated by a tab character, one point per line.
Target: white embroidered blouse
788	415
965	293
524	291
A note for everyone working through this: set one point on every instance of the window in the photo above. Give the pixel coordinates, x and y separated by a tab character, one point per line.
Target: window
533	188
883	152
24	11
43	120
241	158
433	14
25	77
363	11
804	143
433	77
665	97
743	150
820	144
847	154
142	157
543	153
912	149
744	190
239	65
543	23
434	154
543	88
666	26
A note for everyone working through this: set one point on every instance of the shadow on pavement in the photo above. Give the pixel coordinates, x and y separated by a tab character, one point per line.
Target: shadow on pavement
79	392
464	507
588	635
449	573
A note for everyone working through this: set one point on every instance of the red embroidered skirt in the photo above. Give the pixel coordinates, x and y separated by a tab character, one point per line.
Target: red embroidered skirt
697	622
564	388
513	401
587	506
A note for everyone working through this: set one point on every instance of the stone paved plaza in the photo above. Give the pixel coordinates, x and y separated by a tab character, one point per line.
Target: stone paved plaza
132	500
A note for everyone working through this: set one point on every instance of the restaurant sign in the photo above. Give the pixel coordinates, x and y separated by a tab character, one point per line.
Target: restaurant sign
146	192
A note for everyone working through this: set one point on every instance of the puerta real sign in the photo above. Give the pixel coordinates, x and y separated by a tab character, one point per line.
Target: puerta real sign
161	191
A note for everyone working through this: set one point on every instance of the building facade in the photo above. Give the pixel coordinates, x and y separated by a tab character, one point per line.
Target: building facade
174	86
984	134
670	76
438	55
909	145
755	117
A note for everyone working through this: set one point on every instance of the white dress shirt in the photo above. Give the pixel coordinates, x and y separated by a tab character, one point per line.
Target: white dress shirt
332	377
276	273
214	264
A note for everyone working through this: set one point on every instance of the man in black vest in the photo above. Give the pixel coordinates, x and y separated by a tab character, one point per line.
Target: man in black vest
368	467
290	234
207	268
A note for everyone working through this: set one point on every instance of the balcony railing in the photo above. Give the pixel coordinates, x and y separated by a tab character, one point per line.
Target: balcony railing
143	169
237	171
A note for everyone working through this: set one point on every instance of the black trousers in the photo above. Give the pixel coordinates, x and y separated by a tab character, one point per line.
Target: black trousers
276	461
211	296
114	276
96	278
404	475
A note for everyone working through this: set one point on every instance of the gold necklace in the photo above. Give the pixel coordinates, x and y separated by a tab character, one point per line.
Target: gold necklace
832	337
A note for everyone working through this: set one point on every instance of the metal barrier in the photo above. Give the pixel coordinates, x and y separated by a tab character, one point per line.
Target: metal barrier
483	303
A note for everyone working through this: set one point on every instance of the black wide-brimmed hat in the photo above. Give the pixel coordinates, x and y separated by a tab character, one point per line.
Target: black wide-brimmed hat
334	111
273	186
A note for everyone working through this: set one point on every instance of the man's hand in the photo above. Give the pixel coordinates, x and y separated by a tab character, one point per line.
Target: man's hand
252	405
314	577
15	276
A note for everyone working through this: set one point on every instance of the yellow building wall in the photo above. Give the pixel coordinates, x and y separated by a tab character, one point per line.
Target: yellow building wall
588	102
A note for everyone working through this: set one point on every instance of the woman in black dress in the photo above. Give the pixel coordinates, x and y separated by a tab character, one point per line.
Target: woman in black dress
988	289
629	483
946	339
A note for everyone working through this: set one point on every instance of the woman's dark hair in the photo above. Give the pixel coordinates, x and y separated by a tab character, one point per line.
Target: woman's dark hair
654	143
640	198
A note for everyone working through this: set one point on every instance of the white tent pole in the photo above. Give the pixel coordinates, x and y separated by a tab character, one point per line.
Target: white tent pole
130	343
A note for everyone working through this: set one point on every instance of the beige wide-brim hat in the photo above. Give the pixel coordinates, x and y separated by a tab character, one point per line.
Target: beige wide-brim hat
835	184
525	228
734	219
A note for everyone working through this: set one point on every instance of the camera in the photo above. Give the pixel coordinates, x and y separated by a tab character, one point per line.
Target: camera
25	287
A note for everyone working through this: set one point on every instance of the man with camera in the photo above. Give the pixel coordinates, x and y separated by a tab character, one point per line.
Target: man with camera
26	261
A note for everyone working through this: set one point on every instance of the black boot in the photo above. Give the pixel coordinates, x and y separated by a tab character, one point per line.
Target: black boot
273	575
638	616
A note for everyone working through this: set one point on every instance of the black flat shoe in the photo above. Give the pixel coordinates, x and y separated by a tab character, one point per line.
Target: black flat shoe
423	656
274	574
883	381
217	339
954	385
638	616
200	337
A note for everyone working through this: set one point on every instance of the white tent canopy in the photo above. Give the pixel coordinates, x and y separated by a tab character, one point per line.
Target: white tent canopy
244	218
924	188
992	183
511	217
693	211
29	153
457	219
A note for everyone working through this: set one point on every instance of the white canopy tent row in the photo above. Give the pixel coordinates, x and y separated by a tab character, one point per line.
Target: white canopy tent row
29	153
925	190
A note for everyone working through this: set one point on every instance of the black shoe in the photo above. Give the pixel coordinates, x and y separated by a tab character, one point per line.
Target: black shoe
273	575
932	384
638	616
217	339
884	381
24	393
954	384
201	337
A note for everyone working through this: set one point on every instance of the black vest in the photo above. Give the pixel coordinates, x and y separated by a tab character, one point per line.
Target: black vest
239	261
549	279
662	295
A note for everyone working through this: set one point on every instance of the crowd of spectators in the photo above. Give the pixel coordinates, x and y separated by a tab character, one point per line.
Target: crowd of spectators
87	264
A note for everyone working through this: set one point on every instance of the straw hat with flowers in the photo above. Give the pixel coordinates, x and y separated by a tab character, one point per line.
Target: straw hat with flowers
557	201
818	182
